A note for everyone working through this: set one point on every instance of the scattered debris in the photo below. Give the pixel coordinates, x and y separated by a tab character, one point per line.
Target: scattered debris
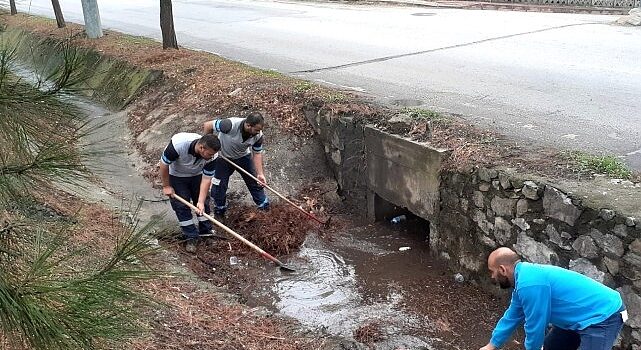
398	219
369	333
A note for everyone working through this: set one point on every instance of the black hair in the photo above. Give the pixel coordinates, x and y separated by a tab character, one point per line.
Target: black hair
210	141
255	118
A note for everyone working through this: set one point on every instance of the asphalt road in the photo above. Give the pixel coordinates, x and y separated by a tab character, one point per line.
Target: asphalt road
565	80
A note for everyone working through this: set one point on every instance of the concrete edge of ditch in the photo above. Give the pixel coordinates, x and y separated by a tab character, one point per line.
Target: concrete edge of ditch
577	225
108	81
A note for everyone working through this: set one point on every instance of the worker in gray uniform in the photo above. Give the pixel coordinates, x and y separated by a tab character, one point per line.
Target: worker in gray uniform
237	136
186	169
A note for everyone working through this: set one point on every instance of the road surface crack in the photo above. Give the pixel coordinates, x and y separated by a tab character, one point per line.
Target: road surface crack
387	58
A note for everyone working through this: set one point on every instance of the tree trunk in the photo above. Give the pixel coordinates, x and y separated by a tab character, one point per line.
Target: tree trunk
90	11
56	9
14	10
167	25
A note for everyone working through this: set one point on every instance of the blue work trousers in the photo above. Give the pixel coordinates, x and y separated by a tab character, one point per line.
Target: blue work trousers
189	188
221	182
600	336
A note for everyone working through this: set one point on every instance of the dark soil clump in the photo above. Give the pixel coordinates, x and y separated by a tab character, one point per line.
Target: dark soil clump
369	333
280	231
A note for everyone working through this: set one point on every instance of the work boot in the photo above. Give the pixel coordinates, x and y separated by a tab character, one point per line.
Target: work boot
190	246
220	217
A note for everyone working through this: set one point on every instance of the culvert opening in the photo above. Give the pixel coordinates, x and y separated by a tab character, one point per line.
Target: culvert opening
400	218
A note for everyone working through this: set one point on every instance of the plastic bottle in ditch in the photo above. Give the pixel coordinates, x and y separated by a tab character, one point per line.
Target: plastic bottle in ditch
398	219
233	260
459	278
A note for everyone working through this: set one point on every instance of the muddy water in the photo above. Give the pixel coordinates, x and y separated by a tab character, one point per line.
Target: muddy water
380	274
354	280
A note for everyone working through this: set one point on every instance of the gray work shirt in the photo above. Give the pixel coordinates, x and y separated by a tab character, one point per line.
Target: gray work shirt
230	134
180	154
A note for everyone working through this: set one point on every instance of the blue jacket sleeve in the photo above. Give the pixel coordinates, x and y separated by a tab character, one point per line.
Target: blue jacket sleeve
537	306
511	319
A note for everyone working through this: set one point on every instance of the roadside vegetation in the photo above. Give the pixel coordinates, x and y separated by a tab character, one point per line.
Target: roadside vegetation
423	114
56	292
601	164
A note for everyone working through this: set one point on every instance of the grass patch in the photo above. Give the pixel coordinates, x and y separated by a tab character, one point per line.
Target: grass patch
608	165
267	73
422	114
137	40
303	86
334	97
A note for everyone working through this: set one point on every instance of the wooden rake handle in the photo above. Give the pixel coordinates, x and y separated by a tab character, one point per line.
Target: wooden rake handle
231	232
273	190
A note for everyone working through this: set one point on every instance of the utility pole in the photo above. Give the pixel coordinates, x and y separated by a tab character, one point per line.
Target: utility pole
90	11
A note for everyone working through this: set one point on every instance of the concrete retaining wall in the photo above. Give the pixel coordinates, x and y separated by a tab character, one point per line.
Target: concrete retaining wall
111	82
402	172
369	163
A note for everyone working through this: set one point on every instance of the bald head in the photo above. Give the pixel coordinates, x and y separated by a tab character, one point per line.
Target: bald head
502	256
501	265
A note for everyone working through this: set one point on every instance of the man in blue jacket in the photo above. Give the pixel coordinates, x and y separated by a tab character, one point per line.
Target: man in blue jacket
584	313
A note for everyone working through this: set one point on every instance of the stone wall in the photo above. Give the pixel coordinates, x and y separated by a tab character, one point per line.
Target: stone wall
485	209
344	142
587	227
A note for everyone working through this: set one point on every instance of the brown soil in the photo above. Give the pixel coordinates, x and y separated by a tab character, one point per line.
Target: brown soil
369	333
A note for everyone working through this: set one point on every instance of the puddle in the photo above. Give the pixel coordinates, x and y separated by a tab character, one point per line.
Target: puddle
336	291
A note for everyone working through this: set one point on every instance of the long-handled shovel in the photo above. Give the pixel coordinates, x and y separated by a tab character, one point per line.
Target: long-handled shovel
324	223
263	253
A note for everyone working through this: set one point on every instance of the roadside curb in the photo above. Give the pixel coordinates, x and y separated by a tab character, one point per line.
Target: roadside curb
477	5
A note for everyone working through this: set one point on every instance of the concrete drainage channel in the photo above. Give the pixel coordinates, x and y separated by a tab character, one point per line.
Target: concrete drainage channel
454	219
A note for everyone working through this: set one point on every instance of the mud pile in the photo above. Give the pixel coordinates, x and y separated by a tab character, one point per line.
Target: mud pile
279	231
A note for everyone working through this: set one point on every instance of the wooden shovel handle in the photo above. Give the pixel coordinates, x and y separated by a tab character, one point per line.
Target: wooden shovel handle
231	232
271	189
